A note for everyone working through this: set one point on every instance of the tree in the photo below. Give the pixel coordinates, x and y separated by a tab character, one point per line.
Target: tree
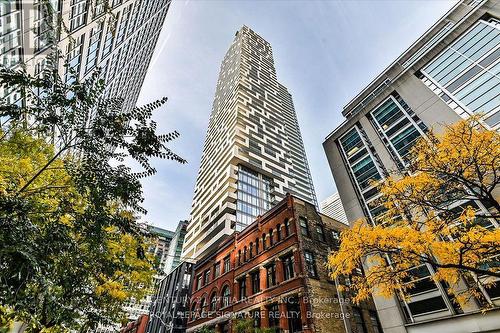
72	252
441	210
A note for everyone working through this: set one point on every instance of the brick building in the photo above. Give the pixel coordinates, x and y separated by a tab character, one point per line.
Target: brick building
137	326
273	273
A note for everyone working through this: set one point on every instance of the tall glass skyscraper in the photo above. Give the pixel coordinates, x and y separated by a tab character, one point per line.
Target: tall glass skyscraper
119	36
253	153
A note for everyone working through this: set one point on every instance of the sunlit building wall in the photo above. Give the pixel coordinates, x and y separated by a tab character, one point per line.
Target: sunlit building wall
450	73
253	153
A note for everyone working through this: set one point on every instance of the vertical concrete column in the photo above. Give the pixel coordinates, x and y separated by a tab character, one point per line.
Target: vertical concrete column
297	264
279	270
263	278
283	316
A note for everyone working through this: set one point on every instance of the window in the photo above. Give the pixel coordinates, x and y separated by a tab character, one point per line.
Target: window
77	14
427	305
271	275
304	228
213	302
193	311
257	246
465	75
245	254
320	232
250	251
242	288
227	264
271	239
199	281
274	315
278	229
255	315
287	228
93	48
359	322
363	166
217	270
310	264
206	279
375	322
254	196
255	277
203	307
288	267
239	257
293	315
226	294
263	242
398	127
336	235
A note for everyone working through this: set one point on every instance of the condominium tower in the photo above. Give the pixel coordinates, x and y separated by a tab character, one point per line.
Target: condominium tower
119	36
253	153
332	207
450	73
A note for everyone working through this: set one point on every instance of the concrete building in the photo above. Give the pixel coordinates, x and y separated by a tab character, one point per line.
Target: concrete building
274	273
253	152
450	73
332	207
118	36
170	303
175	248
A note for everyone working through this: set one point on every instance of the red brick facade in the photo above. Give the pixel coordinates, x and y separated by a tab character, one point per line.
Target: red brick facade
277	276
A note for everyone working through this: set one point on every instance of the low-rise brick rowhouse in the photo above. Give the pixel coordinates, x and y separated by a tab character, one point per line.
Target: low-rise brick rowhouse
273	273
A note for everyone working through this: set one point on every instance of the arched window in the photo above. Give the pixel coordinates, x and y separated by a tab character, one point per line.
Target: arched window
250	250
263	241
226	294
193	311
287	228
271	240
244	254
213	302
278	228
203	306
257	246
239	257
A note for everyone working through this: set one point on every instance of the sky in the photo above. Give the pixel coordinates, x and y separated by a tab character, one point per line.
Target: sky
325	53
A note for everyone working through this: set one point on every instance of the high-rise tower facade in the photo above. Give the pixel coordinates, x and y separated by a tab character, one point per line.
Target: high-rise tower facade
253	153
118	36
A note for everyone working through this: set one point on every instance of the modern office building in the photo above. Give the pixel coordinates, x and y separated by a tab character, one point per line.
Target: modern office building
119	36
332	207
170	303
253	153
175	248
274	273
448	74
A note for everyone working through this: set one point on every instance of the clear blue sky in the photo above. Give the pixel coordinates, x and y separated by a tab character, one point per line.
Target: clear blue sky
325	52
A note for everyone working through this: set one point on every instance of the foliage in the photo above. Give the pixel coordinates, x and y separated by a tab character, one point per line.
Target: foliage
432	218
72	252
246	326
205	329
